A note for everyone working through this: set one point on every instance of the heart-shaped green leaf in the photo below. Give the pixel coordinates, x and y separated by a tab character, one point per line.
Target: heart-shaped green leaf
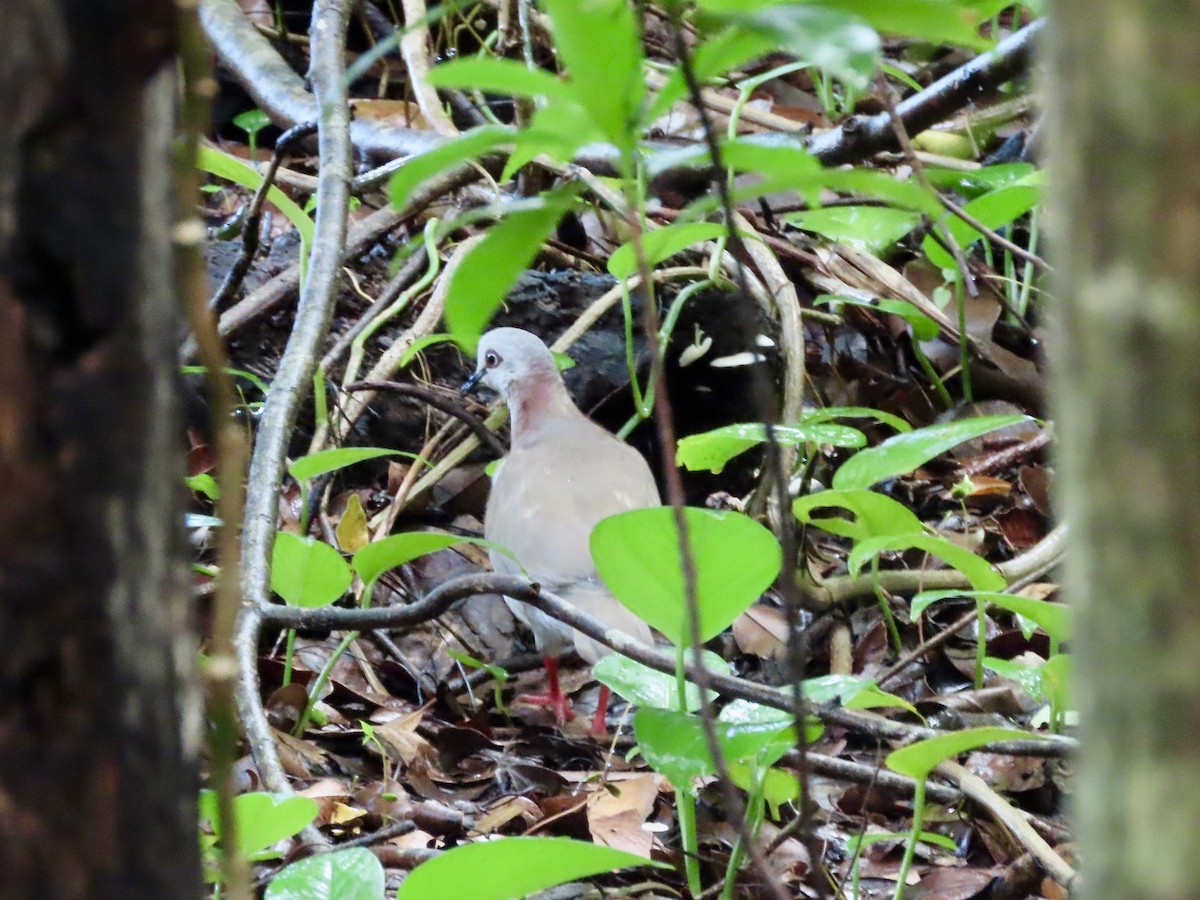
307	572
637	556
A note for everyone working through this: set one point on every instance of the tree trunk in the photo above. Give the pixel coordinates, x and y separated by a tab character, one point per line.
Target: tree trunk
1126	175
97	772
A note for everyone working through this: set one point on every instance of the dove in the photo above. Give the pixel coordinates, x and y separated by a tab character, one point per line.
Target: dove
563	474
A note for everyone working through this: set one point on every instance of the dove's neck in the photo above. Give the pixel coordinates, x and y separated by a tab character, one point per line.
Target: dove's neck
539	403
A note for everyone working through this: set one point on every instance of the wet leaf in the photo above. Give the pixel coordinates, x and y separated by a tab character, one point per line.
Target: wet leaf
354	874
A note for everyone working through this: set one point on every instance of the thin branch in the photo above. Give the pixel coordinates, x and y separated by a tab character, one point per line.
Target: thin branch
1041	558
1003	812
280	92
445	401
295	372
414	46
444	595
994	236
241	265
862	136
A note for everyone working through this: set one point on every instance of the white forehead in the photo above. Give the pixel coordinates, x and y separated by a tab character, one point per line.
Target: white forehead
514	346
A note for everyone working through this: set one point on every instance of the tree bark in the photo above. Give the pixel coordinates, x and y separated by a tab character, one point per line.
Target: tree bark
1123	80
97	768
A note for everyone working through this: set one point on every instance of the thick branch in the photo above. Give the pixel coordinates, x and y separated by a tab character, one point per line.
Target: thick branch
862	136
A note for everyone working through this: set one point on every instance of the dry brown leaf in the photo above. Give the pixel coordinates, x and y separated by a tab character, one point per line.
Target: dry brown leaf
513	808
762	631
400	738
618	812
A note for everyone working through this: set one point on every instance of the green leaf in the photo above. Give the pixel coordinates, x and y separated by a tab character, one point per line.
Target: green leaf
923	327
323	461
382	556
853	692
919	759
902	453
499	76
646	687
498	672
711	450
598	42
307	572
936	21
264	820
354	874
874	515
778	786
420	344
855	412
910	195
1052	618
204	484
783	167
557	130
873	229
673	744
216	163
1056	680
637	555
483	278
420	168
750	731
992	210
252	121
979	181
979	571
511	868
835	41
1029	677
663	244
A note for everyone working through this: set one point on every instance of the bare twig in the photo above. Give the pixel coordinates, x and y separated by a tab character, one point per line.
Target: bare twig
241	265
994	236
445	401
415	48
1003	812
294	375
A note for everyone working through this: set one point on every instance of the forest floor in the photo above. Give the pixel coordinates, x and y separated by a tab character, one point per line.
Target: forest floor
906	323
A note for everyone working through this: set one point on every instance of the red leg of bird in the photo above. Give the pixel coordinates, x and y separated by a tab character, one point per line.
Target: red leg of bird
555	699
600	721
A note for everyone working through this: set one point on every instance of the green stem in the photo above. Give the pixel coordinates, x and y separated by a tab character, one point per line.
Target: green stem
322	679
964	349
893	631
931	373
980	641
910	849
287	660
684	799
